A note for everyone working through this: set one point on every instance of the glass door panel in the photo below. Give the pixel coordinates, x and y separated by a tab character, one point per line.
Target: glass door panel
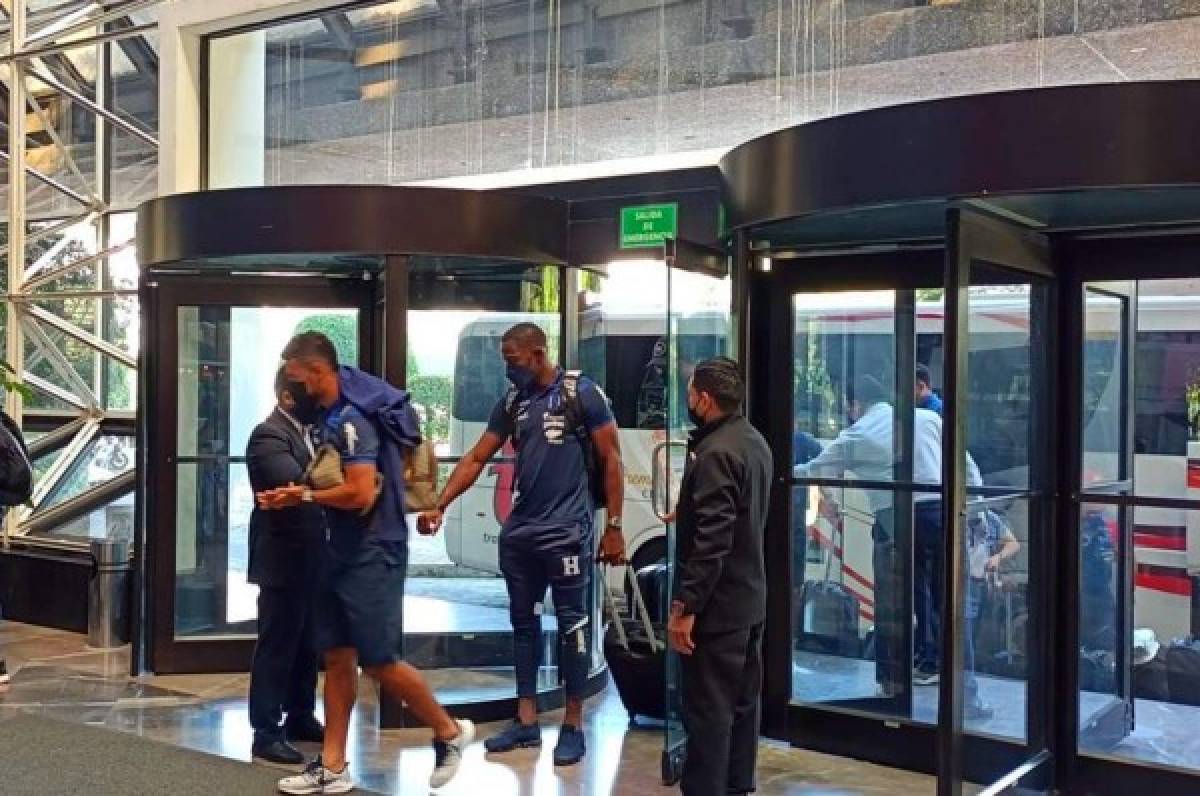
699	303
854	499
1001	475
1106	707
227	358
1005	387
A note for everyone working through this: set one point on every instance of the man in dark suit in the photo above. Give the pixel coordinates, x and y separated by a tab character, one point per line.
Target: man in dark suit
720	598
286	547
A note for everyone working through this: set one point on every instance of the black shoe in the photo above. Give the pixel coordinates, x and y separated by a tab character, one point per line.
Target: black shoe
280	752
3	672
305	730
570	748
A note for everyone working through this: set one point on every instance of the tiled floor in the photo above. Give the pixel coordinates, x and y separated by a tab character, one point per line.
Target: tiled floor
55	674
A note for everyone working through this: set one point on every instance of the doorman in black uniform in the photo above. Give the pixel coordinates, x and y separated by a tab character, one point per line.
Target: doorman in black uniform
720	598
286	548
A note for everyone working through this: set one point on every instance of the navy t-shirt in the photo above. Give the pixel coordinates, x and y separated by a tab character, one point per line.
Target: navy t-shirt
552	479
357	441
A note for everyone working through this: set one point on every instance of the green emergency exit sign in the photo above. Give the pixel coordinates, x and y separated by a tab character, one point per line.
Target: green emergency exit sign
648	225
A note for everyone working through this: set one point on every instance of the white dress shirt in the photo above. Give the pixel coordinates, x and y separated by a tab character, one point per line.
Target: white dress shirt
303	429
864	451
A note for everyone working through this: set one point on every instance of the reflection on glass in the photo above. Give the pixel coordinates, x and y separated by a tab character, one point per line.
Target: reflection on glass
505	96
845	349
112	521
847	598
1161	646
699	316
996	618
105	457
1102	712
1167	388
999	382
1104	371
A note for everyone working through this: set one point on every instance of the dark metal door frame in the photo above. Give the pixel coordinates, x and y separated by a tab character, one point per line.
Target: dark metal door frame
975	238
164	652
1085	258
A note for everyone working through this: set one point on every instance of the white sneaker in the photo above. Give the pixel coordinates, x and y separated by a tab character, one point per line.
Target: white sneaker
448	754
317	779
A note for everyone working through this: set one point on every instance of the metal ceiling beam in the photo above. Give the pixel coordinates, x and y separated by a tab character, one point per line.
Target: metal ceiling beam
43	178
81	505
56	31
64	369
119	35
52	441
66	327
47	275
103	113
54	391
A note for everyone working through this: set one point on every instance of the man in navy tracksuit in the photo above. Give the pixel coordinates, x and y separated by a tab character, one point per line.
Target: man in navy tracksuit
366	423
548	539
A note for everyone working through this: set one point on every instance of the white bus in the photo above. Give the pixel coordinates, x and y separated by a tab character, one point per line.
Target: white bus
833	341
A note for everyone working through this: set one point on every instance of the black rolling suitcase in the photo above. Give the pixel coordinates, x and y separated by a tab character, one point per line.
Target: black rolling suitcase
1150	680
828	614
636	651
652	580
1183	671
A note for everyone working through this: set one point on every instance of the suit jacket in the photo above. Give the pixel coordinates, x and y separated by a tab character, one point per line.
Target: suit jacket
720	523
286	545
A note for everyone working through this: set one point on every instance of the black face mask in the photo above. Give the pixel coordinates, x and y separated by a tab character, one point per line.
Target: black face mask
697	421
306	408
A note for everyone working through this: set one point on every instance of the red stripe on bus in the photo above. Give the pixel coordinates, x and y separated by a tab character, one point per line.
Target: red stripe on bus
1159	542
825	541
1171	584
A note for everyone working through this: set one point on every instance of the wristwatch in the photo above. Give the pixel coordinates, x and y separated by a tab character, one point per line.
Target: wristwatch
614	522
306	496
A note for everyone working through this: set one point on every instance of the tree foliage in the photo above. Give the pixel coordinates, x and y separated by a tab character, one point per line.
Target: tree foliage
342	331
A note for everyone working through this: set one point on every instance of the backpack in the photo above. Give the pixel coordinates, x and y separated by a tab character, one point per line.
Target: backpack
421	477
16	472
573	415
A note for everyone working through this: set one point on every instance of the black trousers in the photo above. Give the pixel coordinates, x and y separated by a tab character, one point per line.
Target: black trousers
722	684
283	677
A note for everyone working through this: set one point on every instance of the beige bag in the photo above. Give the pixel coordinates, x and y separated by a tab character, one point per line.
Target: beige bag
420	478
325	469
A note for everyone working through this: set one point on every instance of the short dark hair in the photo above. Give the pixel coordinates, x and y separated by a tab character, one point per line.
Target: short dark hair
923	376
526	335
311	345
867	390
720	378
281	381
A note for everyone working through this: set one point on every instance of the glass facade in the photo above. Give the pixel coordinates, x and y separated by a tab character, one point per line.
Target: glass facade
392	92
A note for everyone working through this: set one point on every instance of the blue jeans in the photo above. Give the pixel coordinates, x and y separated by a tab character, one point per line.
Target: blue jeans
564	566
972	610
928	558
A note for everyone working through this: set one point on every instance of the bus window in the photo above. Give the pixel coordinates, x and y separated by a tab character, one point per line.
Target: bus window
1165	360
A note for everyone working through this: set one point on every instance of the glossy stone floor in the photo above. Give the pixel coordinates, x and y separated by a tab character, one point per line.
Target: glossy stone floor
55	674
1164	733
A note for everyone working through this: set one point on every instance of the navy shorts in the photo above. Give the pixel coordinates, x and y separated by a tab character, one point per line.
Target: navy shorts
360	602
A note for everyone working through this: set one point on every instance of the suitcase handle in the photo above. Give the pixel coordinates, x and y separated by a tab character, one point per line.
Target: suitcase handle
639	602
